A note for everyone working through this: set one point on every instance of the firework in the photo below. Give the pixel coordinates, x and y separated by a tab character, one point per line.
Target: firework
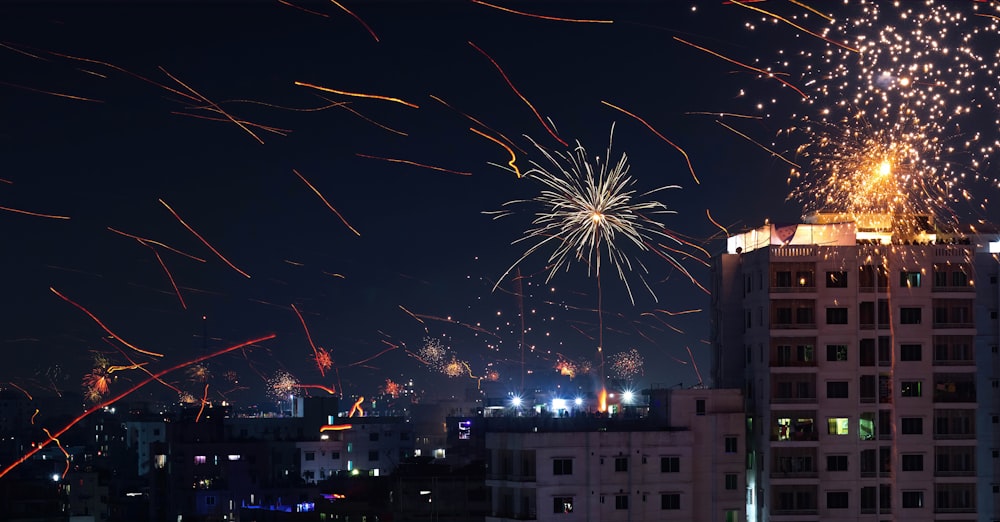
627	365
891	113
282	385
391	388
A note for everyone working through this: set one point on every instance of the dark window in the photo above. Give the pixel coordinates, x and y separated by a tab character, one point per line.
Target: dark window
562	466
868	499
731	445
836	279
670	501
836	462
912	425
310	455
782	279
913	462
909	279
804	353
621	501
804	315
909	315
836	352
699	406
911	389
867	388
562	505
670	464
836	389
373	455
836	316
909	352
373	436
836	499
913	499
732	481
621	463
866	351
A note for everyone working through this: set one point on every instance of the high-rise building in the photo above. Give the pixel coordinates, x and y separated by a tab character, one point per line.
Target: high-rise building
868	360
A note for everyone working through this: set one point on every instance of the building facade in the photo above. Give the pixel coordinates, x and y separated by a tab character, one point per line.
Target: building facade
864	356
683	461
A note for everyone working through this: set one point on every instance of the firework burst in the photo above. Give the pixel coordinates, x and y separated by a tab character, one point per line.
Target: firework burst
627	365
891	118
282	385
589	208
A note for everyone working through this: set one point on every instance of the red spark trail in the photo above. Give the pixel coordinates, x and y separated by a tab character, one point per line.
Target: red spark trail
415	164
59	94
328	205
213	104
61	448
543	17
662	137
389	349
36	214
169	276
204	401
741	64
105	328
206	243
327	389
322	371
289	4
30	398
127	392
513	158
356	17
519	95
716	223
357	94
157	243
481	124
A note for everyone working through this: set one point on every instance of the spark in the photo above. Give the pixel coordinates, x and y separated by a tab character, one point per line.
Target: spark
206	243
694	364
51	93
204	401
724	114
327	203
300	8
415	164
7	469
543	17
157	243
273	130
357	94
799	27
662	137
411	314
356	408
356	17
61	448
323	364
751	140
167	271
327	389
812	10
481	124
36	214
513	158
519	95
373	122
716	223
214	105
745	66
103	327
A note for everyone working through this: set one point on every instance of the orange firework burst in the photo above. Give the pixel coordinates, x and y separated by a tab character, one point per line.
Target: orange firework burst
323	360
391	388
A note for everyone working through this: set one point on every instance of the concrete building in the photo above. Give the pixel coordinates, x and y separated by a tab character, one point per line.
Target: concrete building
684	460
857	347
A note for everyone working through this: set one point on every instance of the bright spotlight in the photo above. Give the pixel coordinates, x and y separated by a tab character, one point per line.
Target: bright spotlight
515	401
627	396
578	401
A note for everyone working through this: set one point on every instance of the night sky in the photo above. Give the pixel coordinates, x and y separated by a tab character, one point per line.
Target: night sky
425	244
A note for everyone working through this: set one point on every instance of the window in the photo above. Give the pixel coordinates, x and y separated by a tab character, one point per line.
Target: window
670	501
782	279
804	352
310	455
913	462
836	315
670	464
699	406
913	499
836	462
911	389
373	455
836	499
837	425
731	444
335	455
562	466
732	481
200	459
909	352
562	504
732	515
909	315
210	500
836	352
373	436
621	463
836	279
912	425
621	501
909	279
868	499
836	389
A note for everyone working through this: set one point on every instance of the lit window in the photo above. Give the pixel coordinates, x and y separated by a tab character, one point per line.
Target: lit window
562	505
200	459
837	425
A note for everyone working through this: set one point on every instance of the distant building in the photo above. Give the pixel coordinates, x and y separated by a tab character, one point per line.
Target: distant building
683	460
869	363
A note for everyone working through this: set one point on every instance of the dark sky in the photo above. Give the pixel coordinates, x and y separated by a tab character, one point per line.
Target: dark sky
425	243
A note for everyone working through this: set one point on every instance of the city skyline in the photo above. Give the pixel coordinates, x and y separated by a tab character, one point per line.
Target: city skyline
426	256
